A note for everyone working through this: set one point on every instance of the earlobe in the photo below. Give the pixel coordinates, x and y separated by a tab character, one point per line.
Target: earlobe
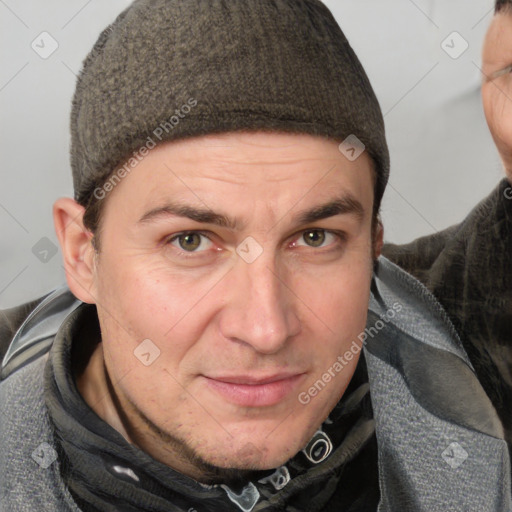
76	246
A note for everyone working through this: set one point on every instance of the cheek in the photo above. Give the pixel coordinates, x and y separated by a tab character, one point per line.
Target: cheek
343	300
334	346
141	302
338	297
498	112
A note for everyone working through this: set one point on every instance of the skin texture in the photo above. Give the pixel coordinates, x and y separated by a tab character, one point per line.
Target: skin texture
497	90
294	309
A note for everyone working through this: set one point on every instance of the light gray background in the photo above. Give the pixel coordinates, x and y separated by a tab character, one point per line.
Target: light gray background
443	159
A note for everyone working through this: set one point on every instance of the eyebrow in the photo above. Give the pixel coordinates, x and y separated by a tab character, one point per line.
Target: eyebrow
202	215
344	205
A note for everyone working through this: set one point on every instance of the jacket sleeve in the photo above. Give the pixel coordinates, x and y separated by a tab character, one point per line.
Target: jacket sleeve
468	267
11	320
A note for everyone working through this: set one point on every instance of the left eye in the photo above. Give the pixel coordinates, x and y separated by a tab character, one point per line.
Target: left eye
316	238
191	242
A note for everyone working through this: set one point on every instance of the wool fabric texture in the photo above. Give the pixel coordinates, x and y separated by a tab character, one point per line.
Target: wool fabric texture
169	69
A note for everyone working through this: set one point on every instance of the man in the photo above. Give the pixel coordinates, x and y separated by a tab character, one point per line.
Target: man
229	160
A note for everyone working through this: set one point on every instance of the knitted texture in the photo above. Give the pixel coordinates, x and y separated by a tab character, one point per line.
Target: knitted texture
170	69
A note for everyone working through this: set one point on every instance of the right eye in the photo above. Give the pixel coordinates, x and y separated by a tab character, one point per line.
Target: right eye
191	241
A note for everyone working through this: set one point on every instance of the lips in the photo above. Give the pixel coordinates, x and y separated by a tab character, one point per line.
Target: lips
252	391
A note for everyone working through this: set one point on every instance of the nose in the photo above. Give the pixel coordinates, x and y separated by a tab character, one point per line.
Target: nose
259	309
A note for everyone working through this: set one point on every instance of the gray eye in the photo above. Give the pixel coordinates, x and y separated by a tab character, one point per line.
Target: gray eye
314	237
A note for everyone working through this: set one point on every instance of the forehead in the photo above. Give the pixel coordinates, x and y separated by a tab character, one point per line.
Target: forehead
231	168
252	148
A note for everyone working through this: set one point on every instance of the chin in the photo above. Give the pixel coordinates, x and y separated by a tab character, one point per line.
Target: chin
249	457
256	452
237	468
264	446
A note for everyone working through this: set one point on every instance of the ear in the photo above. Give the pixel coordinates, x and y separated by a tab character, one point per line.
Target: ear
378	239
77	249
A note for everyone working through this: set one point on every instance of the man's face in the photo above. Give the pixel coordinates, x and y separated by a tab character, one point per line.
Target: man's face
246	259
497	90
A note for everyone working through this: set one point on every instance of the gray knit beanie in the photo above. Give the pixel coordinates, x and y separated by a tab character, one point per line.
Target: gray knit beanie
169	69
